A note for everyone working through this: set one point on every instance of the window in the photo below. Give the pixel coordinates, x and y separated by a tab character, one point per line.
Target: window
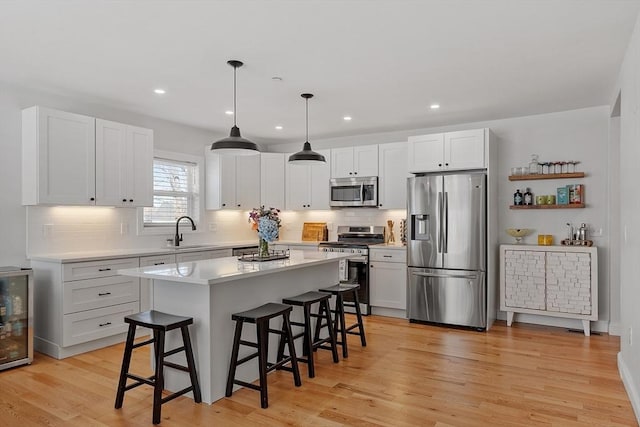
176	190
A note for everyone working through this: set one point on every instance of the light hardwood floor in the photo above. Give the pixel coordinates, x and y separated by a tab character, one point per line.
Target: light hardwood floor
408	375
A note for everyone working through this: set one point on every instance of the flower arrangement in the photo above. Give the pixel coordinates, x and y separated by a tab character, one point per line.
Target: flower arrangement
266	222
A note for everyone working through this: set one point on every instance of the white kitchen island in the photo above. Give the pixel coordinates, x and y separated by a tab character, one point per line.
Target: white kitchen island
211	291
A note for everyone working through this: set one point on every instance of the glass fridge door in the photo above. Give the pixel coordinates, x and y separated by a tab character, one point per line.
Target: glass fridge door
15	329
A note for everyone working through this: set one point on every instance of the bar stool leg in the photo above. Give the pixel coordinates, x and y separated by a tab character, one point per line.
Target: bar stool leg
126	361
292	351
191	364
234	358
324	305
341	325
263	348
363	340
308	341
159	378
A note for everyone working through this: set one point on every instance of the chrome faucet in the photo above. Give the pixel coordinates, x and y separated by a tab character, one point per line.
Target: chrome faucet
178	237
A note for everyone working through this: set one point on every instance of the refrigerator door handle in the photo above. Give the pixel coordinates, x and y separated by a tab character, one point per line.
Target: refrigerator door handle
445	276
445	226
440	231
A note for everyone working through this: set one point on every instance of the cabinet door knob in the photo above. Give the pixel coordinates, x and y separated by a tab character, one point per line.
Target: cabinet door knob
440	164
380	205
224	204
124	200
355	173
92	199
238	205
350	173
131	200
446	164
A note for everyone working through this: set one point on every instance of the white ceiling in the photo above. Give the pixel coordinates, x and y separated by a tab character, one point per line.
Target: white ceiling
382	62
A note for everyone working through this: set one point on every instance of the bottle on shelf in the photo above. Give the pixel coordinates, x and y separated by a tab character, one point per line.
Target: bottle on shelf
534	165
528	197
517	198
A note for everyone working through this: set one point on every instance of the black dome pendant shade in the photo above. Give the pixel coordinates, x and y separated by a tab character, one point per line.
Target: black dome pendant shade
234	143
307	155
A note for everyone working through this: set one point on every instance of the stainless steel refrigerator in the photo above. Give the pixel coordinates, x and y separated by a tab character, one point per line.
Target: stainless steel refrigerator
446	253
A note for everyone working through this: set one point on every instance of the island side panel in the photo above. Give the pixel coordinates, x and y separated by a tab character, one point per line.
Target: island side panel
211	306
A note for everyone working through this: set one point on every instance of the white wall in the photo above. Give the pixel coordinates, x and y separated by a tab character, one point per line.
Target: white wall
629	87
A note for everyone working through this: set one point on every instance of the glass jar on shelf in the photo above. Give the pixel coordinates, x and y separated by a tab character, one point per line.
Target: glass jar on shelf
544	166
534	165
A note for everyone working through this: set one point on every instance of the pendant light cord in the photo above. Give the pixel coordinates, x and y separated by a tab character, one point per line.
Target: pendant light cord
307	118
235	112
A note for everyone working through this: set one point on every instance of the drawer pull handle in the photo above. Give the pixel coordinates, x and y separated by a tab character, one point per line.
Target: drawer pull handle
105	269
101	294
387	256
158	263
104	324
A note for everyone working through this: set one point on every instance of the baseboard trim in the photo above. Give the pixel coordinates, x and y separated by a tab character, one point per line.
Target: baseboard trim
615	329
559	322
632	391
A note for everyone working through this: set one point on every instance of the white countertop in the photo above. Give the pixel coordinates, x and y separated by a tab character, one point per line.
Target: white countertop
212	271
97	255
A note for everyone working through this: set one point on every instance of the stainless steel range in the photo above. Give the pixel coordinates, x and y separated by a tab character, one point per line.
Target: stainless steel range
356	240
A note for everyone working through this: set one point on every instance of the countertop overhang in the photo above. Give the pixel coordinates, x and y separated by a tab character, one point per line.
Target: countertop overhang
219	270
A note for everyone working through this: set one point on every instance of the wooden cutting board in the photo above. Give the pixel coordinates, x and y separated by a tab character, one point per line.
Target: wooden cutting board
314	232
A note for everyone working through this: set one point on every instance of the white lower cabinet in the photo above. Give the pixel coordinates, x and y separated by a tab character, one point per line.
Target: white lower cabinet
388	282
559	281
81	306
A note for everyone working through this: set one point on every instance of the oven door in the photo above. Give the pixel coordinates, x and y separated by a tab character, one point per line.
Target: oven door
356	271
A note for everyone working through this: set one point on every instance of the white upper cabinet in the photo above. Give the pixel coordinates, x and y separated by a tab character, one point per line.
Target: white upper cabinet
307	186
394	171
58	157
124	165
272	181
448	151
70	159
354	161
233	182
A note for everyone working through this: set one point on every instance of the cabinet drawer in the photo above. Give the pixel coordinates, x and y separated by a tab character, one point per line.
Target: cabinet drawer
94	269
157	260
388	255
82	295
95	324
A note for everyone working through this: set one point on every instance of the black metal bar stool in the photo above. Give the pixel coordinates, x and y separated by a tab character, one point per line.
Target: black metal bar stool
261	316
340	290
159	323
312	341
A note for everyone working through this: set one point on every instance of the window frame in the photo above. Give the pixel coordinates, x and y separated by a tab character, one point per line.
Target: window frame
170	228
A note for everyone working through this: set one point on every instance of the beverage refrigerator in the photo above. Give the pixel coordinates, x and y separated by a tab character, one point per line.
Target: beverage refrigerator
16	316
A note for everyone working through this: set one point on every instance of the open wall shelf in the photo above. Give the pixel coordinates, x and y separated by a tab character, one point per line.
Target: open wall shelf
569	206
546	176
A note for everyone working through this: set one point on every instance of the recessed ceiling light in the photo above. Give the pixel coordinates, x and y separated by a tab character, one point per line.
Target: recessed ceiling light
347	118
435	106
160	91
279	127
229	113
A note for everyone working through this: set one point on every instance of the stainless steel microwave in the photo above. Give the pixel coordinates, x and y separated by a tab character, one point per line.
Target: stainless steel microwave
354	192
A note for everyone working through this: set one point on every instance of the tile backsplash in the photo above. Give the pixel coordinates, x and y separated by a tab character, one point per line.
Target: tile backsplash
72	229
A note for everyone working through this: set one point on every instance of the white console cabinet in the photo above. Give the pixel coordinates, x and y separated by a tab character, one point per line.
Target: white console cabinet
560	281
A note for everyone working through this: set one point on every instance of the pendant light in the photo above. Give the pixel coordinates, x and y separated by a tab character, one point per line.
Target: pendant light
234	143
306	156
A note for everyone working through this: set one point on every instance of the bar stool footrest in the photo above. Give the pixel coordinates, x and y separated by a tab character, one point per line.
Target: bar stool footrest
176	394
